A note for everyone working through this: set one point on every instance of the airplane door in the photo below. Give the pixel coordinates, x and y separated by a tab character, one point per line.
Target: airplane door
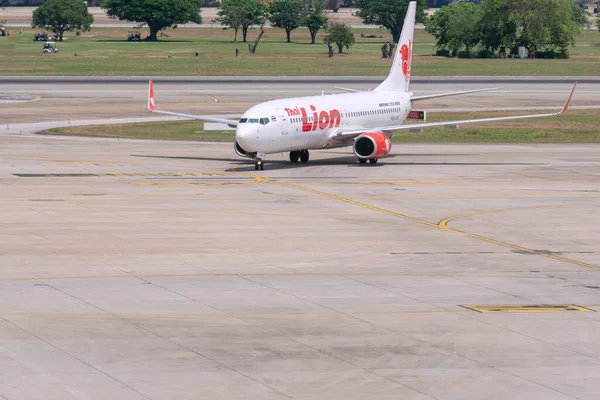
284	121
345	117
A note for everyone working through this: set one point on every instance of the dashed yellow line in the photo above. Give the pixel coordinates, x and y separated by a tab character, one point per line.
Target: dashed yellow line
527	308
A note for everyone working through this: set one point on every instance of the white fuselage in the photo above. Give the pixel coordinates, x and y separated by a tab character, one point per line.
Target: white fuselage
304	123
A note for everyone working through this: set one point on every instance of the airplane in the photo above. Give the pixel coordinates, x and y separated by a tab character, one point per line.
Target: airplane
364	120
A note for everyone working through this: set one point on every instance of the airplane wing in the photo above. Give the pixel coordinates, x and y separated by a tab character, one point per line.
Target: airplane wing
152	107
342	135
435	96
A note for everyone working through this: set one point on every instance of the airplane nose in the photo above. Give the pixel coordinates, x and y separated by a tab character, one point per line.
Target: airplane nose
247	137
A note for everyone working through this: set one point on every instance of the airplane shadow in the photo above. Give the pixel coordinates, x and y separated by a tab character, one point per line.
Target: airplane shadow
346	160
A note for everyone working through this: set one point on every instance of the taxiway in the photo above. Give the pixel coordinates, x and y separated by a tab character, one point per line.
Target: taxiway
158	270
172	270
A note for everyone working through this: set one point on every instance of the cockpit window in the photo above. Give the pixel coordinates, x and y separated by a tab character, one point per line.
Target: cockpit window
262	121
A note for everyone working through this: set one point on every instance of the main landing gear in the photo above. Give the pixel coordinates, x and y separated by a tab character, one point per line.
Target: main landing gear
303	155
371	160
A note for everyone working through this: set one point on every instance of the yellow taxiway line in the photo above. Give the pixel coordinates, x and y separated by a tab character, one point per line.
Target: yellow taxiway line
442	225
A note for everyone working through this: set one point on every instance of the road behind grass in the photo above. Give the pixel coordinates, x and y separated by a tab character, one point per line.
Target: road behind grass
104	51
578	126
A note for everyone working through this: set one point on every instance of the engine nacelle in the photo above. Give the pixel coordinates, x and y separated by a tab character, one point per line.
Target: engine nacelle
372	145
241	152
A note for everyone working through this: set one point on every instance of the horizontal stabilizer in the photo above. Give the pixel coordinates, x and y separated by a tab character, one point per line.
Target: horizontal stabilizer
348	89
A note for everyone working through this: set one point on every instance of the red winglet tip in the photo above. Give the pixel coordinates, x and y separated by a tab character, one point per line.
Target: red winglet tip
568	103
151	102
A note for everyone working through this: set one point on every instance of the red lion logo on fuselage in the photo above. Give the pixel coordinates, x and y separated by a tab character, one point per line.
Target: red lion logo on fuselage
320	120
406	56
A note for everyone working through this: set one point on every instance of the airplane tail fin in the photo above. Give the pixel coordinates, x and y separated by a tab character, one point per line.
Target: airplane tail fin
399	77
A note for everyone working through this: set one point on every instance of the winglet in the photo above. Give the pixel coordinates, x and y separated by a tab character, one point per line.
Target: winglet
568	103
151	103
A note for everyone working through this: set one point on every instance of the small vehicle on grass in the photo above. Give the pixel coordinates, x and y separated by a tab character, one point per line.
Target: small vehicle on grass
50	47
134	36
40	37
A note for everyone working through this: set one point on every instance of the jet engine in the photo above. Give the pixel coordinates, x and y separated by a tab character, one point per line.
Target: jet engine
372	145
241	152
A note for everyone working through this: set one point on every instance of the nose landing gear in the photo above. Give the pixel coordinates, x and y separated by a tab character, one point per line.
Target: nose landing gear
258	162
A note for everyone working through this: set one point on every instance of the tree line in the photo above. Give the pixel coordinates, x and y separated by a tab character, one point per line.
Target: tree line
287	15
463	26
507	24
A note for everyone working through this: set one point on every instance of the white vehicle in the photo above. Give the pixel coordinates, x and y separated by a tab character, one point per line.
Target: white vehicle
50	47
364	120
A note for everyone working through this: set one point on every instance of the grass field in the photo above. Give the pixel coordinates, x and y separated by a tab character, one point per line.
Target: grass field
578	126
104	51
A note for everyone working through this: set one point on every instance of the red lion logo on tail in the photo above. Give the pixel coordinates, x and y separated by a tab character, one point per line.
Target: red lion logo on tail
406	55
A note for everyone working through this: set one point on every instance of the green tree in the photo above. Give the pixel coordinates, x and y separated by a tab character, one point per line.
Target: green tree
580	16
496	32
241	14
340	34
315	19
539	23
157	14
255	13
456	26
60	16
388	13
437	26
287	14
231	15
